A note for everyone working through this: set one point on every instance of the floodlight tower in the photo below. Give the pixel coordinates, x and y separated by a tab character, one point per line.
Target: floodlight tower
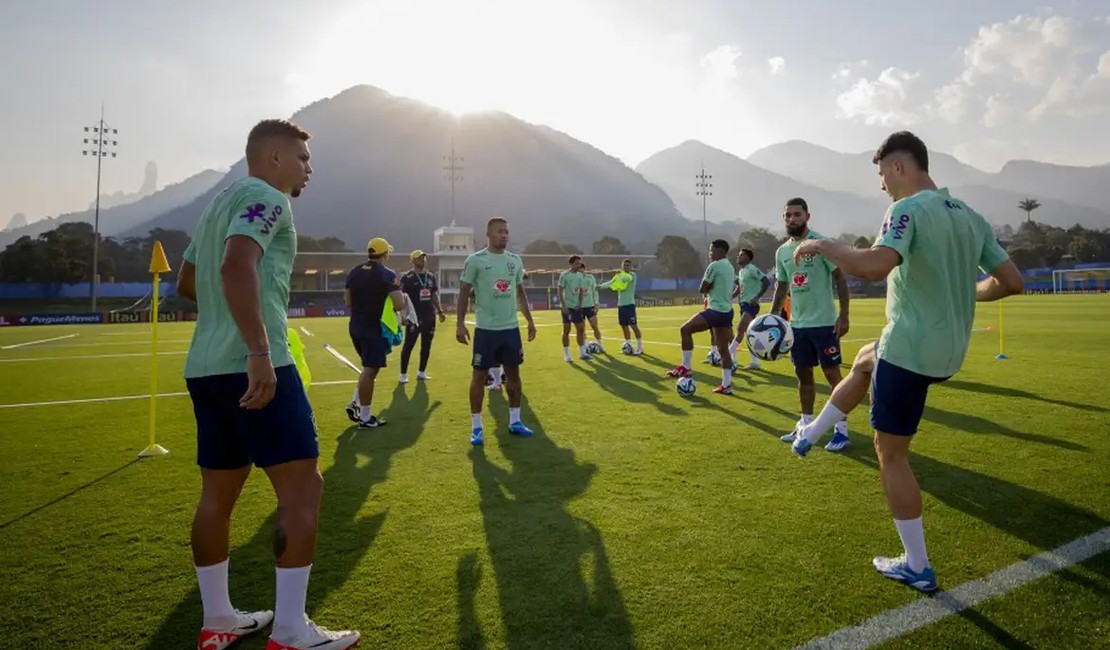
704	191
100	146
453	168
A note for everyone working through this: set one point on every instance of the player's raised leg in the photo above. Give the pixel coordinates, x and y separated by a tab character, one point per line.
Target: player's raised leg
686	334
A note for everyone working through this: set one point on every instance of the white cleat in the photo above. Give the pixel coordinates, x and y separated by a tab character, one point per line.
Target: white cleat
403	379
317	638
422	376
248	623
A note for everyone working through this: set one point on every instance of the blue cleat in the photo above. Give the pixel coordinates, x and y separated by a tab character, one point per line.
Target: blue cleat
585	357
801	447
839	441
476	436
518	429
898	569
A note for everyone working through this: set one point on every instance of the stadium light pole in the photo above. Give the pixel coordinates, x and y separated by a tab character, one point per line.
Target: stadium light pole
704	191
105	146
453	168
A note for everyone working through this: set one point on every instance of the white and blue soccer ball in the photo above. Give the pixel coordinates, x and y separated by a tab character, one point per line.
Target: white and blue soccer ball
593	347
769	337
626	348
713	358
686	386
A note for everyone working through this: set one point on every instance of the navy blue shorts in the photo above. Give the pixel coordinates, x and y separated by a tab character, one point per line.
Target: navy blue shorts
566	316
898	398
717	318
231	437
577	315
815	346
626	315
369	345
749	308
494	348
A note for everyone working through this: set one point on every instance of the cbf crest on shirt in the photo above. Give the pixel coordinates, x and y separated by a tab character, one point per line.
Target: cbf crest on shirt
494	278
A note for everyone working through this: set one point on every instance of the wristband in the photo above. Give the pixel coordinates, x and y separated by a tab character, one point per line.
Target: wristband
265	353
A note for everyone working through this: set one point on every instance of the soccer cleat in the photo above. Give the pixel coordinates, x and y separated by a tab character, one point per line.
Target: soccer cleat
585	357
373	423
248	623
679	371
801	447
898	569
839	441
752	366
793	435
403	379
352	412
317	638
422	376
723	390
476	436
518	429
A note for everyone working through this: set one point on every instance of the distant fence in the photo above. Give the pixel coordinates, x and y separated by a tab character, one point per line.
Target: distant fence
46	291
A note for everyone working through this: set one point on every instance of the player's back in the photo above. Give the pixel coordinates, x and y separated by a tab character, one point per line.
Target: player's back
249	207
931	294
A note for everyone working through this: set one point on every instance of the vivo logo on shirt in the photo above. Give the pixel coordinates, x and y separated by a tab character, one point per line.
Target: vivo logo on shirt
899	228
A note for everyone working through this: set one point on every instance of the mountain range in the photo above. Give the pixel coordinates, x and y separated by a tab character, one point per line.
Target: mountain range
379	171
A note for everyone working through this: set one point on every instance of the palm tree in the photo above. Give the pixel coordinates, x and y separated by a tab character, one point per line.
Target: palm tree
1028	205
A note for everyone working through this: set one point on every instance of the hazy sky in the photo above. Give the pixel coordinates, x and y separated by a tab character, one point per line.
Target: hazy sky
988	80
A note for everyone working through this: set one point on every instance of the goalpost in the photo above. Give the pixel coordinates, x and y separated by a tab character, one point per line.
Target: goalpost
1080	280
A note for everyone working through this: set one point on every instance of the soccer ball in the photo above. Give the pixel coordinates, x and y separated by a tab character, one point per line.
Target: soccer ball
626	347
593	347
713	358
769	337
686	386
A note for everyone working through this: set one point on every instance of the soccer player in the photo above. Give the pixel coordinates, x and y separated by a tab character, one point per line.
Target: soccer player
930	249
752	283
569	291
590	303
814	319
717	284
494	275
422	290
248	399
368	286
626	307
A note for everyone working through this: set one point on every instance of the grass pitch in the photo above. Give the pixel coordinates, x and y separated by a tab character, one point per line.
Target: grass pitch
633	518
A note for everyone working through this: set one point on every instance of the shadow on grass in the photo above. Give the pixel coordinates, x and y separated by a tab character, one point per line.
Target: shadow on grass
975	424
362	459
1003	391
554	583
619	386
57	500
1003	638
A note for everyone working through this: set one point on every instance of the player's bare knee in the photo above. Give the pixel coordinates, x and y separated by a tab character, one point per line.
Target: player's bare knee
865	359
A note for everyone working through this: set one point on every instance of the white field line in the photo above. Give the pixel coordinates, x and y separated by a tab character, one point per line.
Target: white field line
125	398
26	343
900	621
113	344
89	356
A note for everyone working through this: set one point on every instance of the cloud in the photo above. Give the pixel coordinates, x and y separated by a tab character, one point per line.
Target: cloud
776	64
881	101
1042	65
721	63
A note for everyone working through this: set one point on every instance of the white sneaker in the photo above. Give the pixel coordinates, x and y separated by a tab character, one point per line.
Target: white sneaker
422	376
315	637
793	435
248	623
404	379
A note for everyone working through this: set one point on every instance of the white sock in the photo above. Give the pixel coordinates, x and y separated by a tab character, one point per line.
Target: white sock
727	376
627	342
713	348
566	351
807	418
476	420
514	415
829	416
755	359
354	399
582	349
732	347
687	358
290	621
218	612
364	412
640	345
913	539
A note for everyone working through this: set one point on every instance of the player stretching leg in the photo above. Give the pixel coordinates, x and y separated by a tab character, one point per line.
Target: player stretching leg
930	248
590	304
423	293
248	399
495	277
626	306
570	297
750	287
717	317
817	326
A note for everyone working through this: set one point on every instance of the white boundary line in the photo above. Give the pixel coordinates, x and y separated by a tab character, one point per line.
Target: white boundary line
125	398
88	356
25	344
900	621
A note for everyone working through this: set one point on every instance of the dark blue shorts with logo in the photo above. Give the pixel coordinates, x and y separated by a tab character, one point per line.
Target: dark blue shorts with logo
494	348
626	315
717	319
231	437
898	398
815	346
